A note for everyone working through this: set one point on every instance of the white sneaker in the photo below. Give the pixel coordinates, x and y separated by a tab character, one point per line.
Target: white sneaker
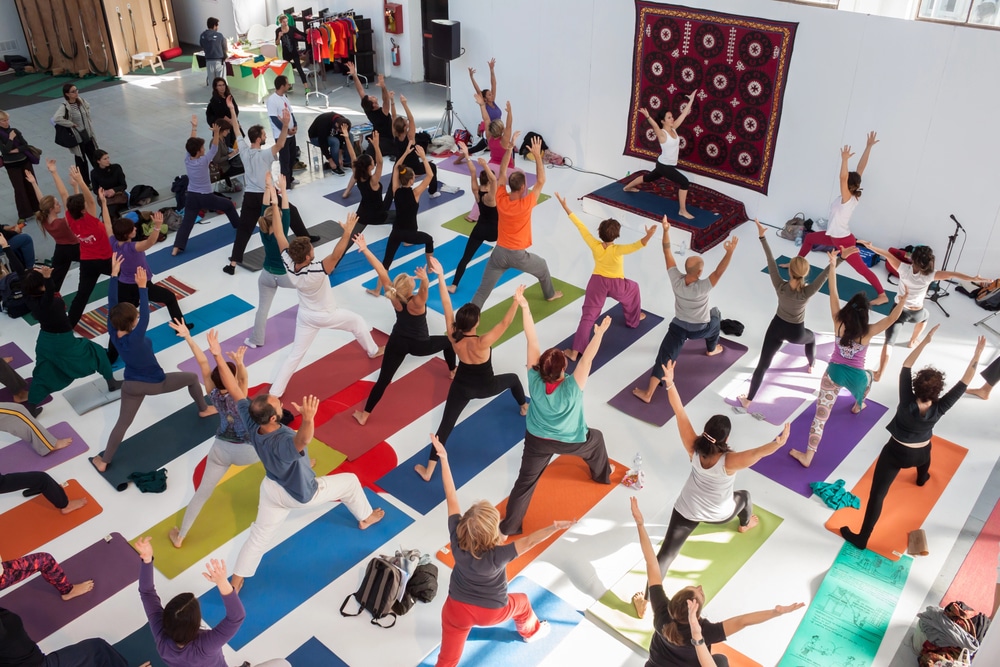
543	631
450	189
435	194
249	343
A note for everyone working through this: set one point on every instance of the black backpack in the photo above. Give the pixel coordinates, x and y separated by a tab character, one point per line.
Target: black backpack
379	591
180	188
422	586
142	195
526	144
12	298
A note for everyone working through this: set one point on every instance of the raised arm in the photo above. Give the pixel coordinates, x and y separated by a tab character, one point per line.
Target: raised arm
420	187
150	241
493	77
377	173
890	259
668	253
420	298
229	380
911	358
199	356
60	187
869	143
345	133
398	165
478	97
473	174
386	95
834	296
886	321
449	312
730	246
529	542
105	214
450	493
583	366
194	127
507	154
277	230
307	428
330	261
970	370
772	267
845	156
684	427
383	275
705	658
737	623
411	124
536	150
30	177
352	70
509	126
742	460
90	204
494	334
661	134
530	335
653	575
472	77
687	110
279	143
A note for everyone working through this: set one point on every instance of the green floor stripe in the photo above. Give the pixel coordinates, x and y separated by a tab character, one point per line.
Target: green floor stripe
48	83
16	82
540	308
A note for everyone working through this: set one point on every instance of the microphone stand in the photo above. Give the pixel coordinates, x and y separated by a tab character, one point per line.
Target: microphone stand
936	293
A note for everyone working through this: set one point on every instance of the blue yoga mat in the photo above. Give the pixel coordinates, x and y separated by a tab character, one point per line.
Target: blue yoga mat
470	283
353	264
207	317
654	203
617	338
476	442
325	549
140	647
208	241
314	653
426	201
447	253
501	646
846	286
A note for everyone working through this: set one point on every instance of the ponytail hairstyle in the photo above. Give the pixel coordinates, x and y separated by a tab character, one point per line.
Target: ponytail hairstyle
678	610
551	365
405	176
713	439
466	319
182	619
854	184
402	288
46	205
853	317
484	179
923	260
798	271
265	221
363	168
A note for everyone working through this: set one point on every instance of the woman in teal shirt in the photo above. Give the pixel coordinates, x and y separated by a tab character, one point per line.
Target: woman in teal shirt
555	422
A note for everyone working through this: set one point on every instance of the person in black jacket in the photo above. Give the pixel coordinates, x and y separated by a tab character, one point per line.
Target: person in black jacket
14	153
218	108
288	37
326	132
17	649
111	179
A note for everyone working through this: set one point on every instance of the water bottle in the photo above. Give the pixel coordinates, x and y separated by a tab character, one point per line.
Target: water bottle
798	238
681	248
634	477
317	164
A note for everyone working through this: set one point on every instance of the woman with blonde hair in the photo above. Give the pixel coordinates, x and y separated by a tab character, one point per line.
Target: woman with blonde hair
477	592
410	334
788	323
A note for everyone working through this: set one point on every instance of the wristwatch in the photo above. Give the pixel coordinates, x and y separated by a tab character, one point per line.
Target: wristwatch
697	642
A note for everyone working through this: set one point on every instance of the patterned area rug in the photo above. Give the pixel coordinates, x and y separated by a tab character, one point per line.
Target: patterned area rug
95	323
738	65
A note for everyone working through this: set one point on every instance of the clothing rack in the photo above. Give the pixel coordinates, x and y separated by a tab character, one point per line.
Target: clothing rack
314	23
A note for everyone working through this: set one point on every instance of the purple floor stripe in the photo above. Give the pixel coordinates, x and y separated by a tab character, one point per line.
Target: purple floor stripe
280	332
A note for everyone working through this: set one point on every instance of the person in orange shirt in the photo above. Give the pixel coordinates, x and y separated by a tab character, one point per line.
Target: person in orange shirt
514	229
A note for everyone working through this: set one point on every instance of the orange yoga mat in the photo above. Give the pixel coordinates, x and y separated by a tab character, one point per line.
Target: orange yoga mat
736	659
907	505
31	524
975	582
565	491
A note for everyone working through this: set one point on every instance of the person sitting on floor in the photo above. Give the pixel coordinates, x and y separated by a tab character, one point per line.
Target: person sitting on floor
109	179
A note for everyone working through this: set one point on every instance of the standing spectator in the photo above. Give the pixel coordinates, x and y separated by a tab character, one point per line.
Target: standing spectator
277	103
111	179
16	159
74	113
213	43
288	38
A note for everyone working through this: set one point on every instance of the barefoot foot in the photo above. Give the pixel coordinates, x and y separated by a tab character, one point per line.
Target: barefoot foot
379	352
557	295
74	505
99	463
751	525
641	395
983	392
425	472
744	401
237	582
372	519
62	443
360	416
175	537
879	300
876	376
642	316
805	458
630	189
718	350
79	589
572	355
858	408
21	397
685	214
452	288
208	412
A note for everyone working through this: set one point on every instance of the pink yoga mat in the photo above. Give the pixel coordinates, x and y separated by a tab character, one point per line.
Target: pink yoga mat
12	350
448	164
694	373
842	434
787	385
280	333
21	457
113	565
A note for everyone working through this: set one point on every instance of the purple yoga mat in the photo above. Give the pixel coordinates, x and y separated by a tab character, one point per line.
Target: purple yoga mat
113	565
12	350
448	164
787	383
21	457
280	332
843	432
694	372
7	397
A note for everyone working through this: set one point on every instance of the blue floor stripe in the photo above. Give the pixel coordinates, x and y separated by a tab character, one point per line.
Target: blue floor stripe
140	647
448	253
314	653
470	283
354	265
218	236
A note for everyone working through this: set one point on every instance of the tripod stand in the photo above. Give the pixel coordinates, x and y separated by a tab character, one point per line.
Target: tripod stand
445	125
936	293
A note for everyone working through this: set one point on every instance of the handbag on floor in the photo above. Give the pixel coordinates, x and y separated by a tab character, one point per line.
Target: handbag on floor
795	227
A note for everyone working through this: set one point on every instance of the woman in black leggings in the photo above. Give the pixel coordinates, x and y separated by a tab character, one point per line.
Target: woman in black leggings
484	190
367	172
409	335
920	407
474	377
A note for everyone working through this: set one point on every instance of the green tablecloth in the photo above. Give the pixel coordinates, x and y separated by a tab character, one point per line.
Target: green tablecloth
241	77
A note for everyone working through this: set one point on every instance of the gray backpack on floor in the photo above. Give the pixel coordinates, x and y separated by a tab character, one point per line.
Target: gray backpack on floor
380	588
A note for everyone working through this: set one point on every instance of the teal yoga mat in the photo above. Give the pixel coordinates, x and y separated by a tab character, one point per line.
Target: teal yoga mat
848	617
448	253
140	647
846	286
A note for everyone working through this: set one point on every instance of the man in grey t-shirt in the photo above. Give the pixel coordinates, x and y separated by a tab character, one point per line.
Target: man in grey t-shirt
693	317
213	43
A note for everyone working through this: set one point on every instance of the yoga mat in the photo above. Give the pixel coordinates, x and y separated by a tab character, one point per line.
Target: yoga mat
329	375
325	549
113	565
99	293
907	505
846	285
656	204
91	395
35	522
844	430
540	308
448	253
736	659
565	491
710	557
459	224
229	511
426	201
470	283
694	373
7	397
198	245
501	646
477	441
94	323
353	264
448	164
405	400
617	338
12	350
140	647
975	582
279	333
207	317
22	457
787	384
314	653
850	613
159	444
371	465
328	230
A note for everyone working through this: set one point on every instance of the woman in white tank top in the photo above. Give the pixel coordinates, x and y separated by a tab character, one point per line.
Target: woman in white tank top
670	147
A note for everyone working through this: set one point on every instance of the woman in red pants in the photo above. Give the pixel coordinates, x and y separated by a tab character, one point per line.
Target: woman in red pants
838	233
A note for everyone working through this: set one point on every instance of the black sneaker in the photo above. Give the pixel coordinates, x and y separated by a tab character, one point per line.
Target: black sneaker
230	269
338	171
313	238
33	410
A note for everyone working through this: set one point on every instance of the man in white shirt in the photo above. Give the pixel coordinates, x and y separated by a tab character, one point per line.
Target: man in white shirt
317	307
277	104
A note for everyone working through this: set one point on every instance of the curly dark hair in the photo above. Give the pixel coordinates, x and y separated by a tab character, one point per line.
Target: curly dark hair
928	384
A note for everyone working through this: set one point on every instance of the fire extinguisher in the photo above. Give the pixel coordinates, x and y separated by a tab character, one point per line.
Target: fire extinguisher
395	53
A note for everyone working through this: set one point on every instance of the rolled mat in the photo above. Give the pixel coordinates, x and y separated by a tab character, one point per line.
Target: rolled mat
159	444
502	646
540	308
617	338
710	557
328	230
407	399
91	395
20	357
850	613
315	652
22	457
787	384
228	512
113	565
448	253
477	441
36	522
906	505
844	430
170	54
327	548
974	583
564	492
279	333
846	286
694	373
140	647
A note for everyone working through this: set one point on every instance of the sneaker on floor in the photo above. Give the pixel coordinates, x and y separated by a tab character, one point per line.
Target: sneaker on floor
313	238
230	269
435	195
338	171
249	343
543	631
450	189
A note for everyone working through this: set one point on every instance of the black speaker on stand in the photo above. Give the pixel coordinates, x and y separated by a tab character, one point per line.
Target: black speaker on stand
446	44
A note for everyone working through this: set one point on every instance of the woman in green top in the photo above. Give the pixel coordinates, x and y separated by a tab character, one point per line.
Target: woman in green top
555	422
273	274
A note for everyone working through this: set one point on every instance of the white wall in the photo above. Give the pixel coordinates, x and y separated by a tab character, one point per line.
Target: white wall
930	91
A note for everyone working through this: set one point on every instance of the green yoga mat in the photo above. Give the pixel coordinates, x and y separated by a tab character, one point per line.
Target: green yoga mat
848	617
710	558
462	226
540	308
229	511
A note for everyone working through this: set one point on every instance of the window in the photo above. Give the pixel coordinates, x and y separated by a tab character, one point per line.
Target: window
973	12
